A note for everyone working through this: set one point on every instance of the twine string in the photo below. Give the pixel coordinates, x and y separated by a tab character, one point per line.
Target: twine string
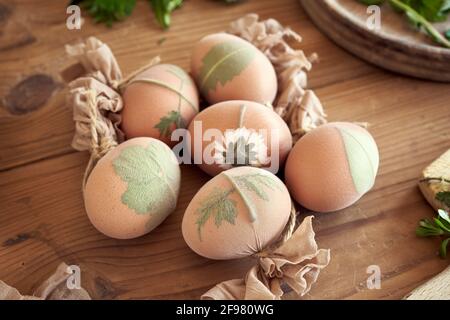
287	233
100	142
122	84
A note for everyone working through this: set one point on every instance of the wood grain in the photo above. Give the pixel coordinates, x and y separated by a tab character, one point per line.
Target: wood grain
42	218
395	46
142	36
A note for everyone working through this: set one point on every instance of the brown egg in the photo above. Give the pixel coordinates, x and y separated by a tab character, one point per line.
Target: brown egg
331	167
239	124
157	101
226	67
236	214
133	188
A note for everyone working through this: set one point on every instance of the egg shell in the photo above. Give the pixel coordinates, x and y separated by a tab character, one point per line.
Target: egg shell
226	116
116	193
148	106
331	167
239	236
226	67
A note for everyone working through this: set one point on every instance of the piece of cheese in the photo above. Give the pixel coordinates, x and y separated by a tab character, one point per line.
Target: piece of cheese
436	178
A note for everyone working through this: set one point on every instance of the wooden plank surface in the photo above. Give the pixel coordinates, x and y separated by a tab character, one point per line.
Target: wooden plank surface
42	219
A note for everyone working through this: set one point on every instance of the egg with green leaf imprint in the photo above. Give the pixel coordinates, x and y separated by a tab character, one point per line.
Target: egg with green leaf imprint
133	188
226	67
236	214
331	167
157	101
238	133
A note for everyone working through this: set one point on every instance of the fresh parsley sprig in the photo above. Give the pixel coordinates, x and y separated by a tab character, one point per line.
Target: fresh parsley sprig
439	226
110	11
107	11
163	9
420	21
421	14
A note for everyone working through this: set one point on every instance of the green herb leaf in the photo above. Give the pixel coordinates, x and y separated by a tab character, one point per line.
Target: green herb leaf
371	2
443	248
421	12
148	174
163	9
438	227
447	34
218	205
444	197
108	11
427	228
431	10
441	225
166	123
254	182
174	118
444	215
223	62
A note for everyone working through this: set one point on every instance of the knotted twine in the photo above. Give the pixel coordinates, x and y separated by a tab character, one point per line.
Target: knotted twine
96	102
294	261
96	99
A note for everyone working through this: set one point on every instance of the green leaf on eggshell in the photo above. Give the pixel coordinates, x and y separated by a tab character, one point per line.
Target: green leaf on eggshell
173	118
223	62
221	207
253	183
148	175
362	156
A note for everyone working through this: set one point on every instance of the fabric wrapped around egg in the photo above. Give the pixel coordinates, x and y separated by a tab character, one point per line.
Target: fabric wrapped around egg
245	212
331	167
150	102
133	188
226	67
248	133
236	214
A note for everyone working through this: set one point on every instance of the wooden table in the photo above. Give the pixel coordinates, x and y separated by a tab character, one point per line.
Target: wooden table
42	218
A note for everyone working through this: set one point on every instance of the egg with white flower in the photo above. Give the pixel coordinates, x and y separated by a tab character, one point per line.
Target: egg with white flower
238	133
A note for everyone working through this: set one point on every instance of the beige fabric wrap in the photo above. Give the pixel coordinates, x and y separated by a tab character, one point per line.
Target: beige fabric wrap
297	263
54	288
96	100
